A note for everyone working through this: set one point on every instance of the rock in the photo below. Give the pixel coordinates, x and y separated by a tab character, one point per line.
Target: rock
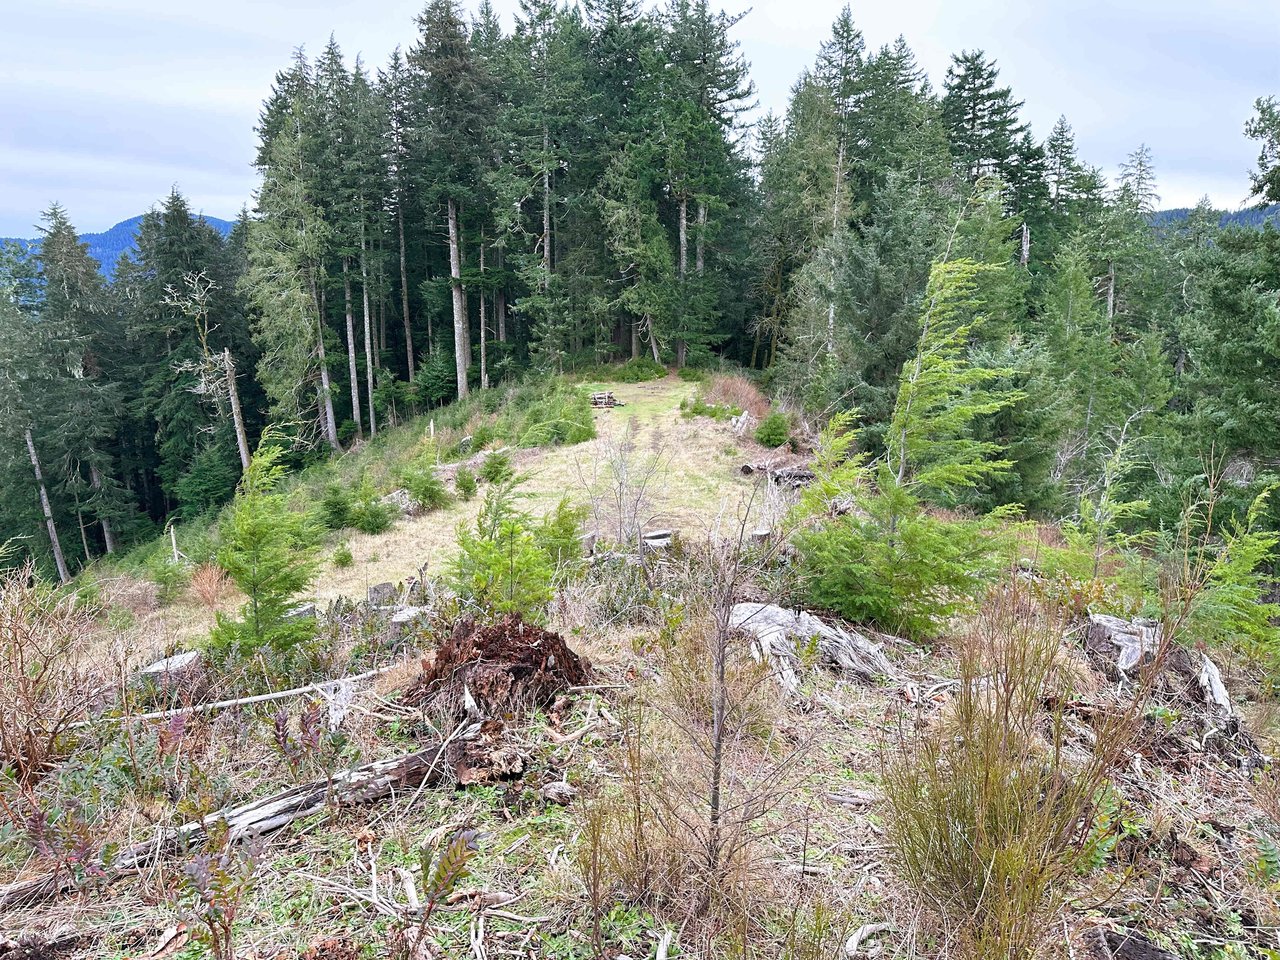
656	539
173	666
303	611
558	791
403	501
778	630
383	595
406	618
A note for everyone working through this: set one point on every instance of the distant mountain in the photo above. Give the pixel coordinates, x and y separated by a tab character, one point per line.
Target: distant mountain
106	247
1253	218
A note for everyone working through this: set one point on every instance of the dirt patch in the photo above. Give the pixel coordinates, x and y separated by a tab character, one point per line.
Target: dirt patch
498	670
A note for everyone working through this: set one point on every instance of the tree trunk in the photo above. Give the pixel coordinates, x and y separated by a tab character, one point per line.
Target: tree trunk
369	346
484	355
500	302
352	367
52	527
635	340
330	425
546	214
1111	290
682	347
699	262
84	533
461	330
108	535
404	287
237	415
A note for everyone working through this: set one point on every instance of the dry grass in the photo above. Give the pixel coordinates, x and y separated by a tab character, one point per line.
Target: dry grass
210	584
735	391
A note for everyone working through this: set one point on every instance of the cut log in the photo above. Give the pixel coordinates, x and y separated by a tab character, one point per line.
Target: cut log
777	631
357	785
605	398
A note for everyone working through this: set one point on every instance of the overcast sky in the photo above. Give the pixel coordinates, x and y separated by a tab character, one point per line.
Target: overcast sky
107	104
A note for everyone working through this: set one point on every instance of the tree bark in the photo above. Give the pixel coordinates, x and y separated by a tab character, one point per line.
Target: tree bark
699	262
369	347
484	355
237	415
326	391
682	347
500	302
352	366
461	330
404	287
52	527
108	535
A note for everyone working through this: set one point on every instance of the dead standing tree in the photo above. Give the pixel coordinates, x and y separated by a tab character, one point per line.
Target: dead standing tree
215	373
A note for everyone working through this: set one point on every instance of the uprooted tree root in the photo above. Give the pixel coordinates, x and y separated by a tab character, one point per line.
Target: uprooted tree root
498	669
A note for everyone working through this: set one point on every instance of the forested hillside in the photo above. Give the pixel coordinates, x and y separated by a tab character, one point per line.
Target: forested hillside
110	245
587	188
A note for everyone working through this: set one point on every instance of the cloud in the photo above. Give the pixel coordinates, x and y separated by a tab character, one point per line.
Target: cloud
110	103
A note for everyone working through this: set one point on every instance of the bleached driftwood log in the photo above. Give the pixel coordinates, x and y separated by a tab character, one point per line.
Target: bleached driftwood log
777	631
357	785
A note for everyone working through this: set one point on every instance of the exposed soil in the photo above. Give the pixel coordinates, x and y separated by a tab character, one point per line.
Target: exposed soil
505	668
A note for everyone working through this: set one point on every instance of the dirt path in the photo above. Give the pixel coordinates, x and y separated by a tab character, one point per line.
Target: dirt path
699	480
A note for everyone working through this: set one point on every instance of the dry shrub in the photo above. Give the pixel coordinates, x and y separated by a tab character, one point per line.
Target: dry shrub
736	391
45	686
989	812
209	582
702	768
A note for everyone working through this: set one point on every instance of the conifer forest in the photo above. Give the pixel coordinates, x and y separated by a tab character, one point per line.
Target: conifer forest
841	532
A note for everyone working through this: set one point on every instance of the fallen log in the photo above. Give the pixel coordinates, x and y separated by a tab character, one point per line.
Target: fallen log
357	785
776	631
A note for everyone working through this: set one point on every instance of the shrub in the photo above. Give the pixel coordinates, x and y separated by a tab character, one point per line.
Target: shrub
774	430
509	562
893	563
209	583
424	486
693	374
464	482
561	416
497	467
738	393
342	557
269	552
368	513
335	507
985	810
44	635
639	370
169	575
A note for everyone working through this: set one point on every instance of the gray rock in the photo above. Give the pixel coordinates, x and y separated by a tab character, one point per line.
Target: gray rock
303	611
403	502
175	664
559	791
406	618
383	595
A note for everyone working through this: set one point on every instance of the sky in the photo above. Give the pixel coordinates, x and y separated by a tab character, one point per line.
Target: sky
108	104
